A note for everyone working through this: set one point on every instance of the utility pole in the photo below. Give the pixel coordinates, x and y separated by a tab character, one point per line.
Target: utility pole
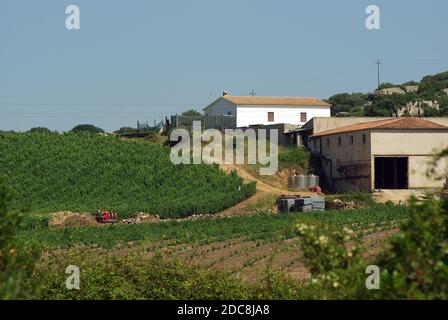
252	93
378	63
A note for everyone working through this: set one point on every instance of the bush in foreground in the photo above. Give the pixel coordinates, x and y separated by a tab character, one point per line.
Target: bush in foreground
414	266
17	260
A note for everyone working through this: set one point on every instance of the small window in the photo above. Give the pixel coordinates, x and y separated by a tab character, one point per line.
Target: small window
339	141
351	140
302	116
270	116
229	113
364	138
315	144
328	143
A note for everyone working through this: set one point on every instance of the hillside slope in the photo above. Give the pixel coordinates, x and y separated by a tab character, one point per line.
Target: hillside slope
429	97
85	173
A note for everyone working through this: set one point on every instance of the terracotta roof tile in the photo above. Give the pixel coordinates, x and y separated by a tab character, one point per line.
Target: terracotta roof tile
276	101
397	123
291	101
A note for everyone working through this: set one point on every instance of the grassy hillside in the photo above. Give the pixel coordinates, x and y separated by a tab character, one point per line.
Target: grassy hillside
83	172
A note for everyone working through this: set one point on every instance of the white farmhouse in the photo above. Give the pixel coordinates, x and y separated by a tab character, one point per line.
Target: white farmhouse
268	110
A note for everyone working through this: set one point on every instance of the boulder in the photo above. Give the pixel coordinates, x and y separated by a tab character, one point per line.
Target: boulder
416	108
410	89
390	91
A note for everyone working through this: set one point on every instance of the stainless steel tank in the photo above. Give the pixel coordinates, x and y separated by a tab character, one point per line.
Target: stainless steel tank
302	182
291	182
313	181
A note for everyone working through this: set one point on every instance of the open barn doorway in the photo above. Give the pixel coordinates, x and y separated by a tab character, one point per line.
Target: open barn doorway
391	173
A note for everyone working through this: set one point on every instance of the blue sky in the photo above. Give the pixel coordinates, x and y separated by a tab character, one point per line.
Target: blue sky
143	59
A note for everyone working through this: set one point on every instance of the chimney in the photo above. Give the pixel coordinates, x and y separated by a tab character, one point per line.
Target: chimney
225	94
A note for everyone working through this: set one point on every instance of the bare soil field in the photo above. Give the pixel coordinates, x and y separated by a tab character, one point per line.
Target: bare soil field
246	259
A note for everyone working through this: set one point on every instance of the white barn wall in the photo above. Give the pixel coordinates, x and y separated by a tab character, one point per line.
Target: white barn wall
419	147
257	114
221	107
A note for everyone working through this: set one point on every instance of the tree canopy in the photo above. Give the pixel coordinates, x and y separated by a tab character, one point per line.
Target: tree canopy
87	128
191	113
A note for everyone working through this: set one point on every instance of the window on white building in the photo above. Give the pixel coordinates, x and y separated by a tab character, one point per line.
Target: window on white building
302	116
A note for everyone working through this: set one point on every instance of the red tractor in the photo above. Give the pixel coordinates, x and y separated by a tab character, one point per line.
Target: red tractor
106	216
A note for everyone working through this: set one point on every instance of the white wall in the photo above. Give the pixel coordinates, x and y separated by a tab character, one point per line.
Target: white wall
220	107
250	115
419	146
349	165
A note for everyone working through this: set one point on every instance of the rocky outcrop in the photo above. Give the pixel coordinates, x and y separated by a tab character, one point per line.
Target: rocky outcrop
410	89
416	108
389	91
445	90
396	90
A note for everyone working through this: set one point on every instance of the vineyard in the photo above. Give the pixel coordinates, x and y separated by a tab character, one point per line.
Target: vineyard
84	173
227	256
251	228
315	255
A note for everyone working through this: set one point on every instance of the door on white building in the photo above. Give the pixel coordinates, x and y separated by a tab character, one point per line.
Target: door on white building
391	173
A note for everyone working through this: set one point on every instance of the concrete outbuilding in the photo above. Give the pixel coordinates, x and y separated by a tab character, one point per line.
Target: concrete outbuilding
384	154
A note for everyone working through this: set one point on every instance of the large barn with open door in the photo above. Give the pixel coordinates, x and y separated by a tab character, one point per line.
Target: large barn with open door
384	154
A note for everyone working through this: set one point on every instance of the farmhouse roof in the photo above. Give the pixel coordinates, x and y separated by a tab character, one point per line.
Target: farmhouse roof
274	101
397	123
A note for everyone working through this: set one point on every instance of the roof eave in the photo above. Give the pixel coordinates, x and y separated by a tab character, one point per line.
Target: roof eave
378	129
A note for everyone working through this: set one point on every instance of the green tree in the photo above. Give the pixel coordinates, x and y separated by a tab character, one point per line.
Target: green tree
40	130
416	266
191	113
17	260
410	83
386	85
89	128
345	102
443	105
124	130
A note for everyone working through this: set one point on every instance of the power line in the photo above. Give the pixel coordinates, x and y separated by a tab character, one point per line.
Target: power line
100	104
